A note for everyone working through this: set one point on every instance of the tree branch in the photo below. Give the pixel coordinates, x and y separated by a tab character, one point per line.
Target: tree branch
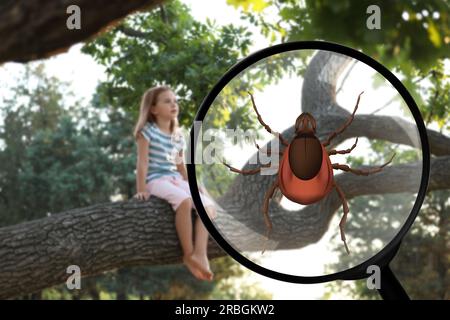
319	98
33	30
163	14
35	255
132	32
387	128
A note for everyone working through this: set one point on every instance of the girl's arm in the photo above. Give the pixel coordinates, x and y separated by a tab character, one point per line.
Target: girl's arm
141	167
181	167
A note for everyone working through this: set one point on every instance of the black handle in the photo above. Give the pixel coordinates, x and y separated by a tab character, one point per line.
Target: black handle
390	287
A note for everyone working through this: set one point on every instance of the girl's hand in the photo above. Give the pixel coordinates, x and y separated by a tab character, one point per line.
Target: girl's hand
144	195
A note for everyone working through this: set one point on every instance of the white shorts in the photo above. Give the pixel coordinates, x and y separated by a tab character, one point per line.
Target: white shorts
175	190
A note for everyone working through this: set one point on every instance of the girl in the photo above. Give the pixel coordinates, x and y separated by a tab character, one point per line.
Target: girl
161	172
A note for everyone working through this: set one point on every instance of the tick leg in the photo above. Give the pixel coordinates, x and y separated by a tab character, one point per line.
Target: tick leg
344	217
282	139
245	172
332	152
345	125
265	211
361	172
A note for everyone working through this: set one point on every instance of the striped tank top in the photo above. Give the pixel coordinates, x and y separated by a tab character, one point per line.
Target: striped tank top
163	150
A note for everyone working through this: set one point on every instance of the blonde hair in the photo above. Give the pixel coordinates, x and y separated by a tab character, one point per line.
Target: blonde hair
149	100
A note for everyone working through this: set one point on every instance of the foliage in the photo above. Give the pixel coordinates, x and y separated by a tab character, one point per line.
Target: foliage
414	35
164	283
166	46
249	5
48	150
436	107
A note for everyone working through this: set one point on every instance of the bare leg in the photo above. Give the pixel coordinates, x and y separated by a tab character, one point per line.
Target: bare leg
360	172
183	225
265	209
332	152
282	139
245	172
200	255
344	217
346	124
211	211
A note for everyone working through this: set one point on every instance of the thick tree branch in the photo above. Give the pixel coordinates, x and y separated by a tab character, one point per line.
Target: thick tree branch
35	255
295	229
392	129
37	29
319	98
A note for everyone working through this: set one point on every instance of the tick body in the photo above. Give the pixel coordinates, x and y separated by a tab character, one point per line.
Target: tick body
305	174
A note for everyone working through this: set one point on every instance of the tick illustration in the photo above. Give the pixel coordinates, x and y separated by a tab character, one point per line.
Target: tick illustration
305	174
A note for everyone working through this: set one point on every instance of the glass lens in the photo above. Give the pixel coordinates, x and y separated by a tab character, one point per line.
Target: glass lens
305	194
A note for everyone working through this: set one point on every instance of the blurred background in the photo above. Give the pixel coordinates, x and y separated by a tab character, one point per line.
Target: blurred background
60	115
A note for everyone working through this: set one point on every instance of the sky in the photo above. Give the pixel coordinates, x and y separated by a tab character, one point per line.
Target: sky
83	74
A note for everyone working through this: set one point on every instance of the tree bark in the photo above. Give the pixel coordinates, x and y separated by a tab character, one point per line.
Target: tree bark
33	30
35	255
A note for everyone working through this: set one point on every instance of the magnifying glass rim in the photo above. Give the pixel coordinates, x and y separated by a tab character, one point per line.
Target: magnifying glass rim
382	257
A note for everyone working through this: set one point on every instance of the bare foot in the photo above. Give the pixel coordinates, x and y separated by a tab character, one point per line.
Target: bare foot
202	263
194	268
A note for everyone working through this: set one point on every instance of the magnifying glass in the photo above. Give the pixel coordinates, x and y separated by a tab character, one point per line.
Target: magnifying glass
317	159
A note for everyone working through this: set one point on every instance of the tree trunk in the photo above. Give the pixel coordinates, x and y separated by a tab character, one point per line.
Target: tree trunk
34	255
37	29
